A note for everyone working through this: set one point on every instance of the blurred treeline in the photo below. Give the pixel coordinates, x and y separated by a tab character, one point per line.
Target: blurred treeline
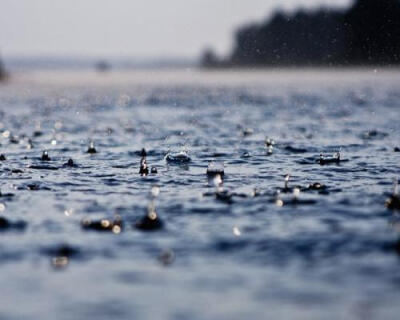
367	33
3	73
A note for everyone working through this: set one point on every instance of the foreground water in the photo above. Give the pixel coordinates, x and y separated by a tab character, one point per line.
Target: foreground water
245	253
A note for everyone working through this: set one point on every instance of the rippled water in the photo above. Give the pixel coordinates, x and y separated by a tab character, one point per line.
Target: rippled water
244	255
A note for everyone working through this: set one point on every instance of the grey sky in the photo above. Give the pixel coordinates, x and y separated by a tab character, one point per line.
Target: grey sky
143	29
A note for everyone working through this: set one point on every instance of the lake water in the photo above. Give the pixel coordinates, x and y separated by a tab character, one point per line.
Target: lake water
245	253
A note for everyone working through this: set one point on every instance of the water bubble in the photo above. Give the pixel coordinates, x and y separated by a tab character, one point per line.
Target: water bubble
155	191
178	157
296	193
45	156
154	170
116	229
150	221
236	231
91	149
59	262
68	212
144	170
269	142
215	169
217	181
103	225
287	178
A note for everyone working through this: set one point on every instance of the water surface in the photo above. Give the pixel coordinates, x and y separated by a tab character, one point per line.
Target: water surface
336	257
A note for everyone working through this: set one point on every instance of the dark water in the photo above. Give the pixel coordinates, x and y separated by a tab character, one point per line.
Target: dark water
333	254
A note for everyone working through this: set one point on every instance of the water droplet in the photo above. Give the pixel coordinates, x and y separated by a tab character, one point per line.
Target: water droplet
68	212
155	191
236	231
59	262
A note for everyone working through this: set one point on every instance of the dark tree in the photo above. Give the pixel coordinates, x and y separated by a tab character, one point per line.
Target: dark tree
3	73
366	33
209	58
373	32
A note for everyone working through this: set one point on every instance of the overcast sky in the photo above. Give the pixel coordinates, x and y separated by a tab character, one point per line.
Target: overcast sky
130	28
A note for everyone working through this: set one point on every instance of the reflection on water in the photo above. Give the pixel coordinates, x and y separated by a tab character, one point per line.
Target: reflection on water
265	194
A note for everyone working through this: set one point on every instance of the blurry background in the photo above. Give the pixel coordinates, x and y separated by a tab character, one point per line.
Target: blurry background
227	33
48	33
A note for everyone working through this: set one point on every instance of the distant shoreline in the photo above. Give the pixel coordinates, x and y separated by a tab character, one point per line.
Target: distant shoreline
365	34
301	67
126	79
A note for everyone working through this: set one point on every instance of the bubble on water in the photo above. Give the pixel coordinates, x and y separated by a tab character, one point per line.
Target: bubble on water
144	169
214	169
91	149
105	223
152	215
278	200
59	262
116	229
68	212
236	231
287	178
150	221
296	193
178	157
155	191
217	181
269	142
45	156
